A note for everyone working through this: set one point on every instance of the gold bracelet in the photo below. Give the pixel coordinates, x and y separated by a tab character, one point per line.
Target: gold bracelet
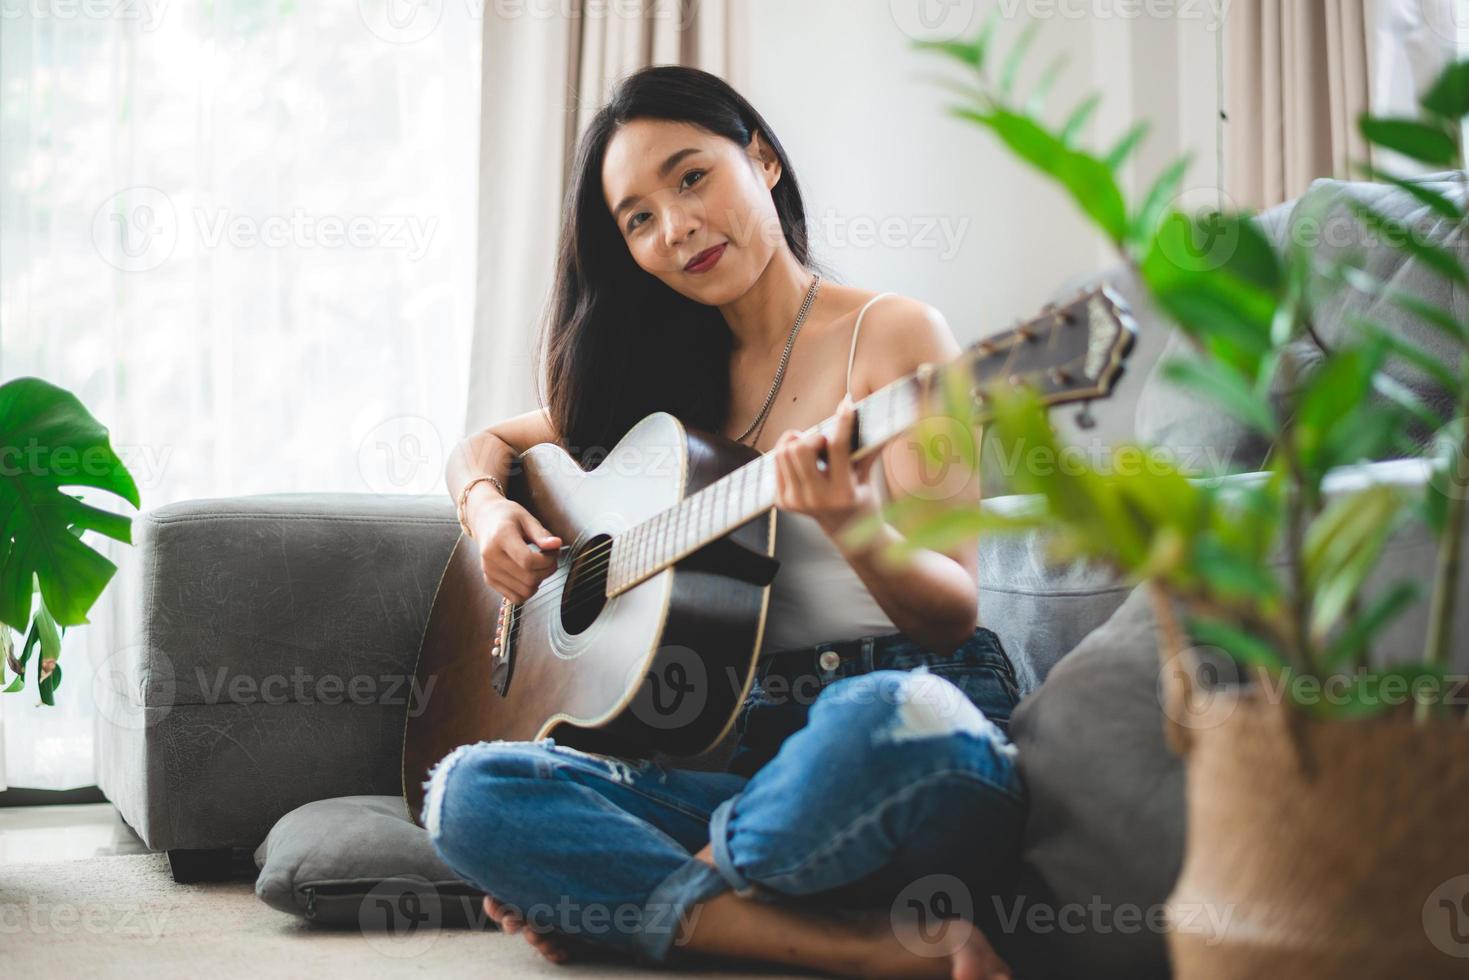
464	499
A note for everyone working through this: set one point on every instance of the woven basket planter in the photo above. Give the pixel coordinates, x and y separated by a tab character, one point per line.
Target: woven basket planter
1320	848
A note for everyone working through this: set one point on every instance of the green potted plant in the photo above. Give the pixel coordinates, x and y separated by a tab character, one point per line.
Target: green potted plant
1326	824
49	577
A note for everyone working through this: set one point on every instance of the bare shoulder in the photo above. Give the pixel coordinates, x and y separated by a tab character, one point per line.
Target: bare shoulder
898	334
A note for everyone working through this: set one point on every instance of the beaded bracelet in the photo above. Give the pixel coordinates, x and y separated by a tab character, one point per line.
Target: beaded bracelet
464	498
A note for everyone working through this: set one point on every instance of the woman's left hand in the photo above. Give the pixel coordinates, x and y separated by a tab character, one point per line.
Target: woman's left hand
833	496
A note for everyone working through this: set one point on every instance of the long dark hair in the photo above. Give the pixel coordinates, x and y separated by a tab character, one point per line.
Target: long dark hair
618	344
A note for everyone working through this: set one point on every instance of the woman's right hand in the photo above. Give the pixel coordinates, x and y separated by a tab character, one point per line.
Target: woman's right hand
505	531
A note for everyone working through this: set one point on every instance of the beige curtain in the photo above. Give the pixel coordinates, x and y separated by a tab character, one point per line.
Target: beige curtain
1296	78
544	77
1299	73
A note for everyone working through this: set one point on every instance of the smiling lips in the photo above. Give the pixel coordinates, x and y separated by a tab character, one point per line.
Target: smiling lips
706	259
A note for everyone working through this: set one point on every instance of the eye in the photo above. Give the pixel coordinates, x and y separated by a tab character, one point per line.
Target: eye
633	222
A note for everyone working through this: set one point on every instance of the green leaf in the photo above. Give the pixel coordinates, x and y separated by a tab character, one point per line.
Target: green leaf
1246	517
1408	351
1015	57
1220	279
985	42
1369	285
1232	575
1042	91
1448	98
1080	502
967	53
1225	388
1330	398
971	54
32	640
1125	147
1342	546
968	91
1160	196
1079	117
1091	184
1245	648
958	525
1405	239
1450	469
1413	139
49	684
1378	615
1407	399
51	441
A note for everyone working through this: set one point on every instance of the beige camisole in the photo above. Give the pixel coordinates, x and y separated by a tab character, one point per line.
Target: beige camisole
816	596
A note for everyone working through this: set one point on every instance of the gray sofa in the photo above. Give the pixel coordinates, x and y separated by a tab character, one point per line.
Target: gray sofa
279	633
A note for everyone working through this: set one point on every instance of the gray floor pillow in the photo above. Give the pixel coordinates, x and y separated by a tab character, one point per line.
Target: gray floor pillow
1104	836
360	861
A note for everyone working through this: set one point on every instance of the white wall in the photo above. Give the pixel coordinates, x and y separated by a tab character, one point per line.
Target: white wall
971	230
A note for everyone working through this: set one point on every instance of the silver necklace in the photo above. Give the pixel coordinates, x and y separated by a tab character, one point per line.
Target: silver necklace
780	372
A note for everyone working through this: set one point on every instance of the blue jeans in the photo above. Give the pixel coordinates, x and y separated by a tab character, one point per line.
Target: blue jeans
861	768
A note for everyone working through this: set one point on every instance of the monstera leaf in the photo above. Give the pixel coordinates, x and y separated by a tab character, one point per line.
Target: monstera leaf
48	441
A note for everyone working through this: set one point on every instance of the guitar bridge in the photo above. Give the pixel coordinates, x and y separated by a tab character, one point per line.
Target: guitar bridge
500	656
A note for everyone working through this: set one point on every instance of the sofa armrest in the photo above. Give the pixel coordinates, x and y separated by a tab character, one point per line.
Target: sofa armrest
279	635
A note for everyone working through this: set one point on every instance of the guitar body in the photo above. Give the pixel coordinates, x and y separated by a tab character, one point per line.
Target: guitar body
664	665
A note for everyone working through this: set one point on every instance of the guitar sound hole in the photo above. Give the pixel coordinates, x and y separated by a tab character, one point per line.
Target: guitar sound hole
586	585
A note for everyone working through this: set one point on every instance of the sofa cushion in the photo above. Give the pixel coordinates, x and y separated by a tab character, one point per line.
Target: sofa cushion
361	861
1104	836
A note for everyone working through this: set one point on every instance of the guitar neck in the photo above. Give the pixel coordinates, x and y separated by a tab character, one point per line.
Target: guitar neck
1068	353
711	513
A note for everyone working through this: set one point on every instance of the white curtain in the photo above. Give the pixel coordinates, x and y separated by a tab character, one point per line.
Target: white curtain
244	234
544	78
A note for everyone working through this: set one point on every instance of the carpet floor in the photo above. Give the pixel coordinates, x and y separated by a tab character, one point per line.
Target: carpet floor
124	916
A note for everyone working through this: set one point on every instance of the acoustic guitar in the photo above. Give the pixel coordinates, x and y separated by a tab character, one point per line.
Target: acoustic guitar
645	637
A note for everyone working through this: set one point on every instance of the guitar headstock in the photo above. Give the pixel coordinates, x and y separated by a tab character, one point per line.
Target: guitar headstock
1072	352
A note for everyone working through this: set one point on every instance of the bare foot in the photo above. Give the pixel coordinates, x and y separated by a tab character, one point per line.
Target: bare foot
552	945
976	959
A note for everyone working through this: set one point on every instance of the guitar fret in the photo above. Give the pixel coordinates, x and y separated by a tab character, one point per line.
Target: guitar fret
700	502
680	527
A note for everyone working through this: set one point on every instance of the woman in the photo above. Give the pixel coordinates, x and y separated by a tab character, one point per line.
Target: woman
849	818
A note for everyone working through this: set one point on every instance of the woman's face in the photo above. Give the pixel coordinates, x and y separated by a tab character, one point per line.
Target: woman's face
676	191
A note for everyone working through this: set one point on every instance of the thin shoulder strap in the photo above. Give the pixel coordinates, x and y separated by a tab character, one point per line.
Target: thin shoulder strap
852	355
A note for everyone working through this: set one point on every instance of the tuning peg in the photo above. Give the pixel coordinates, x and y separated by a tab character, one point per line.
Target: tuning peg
1084	418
